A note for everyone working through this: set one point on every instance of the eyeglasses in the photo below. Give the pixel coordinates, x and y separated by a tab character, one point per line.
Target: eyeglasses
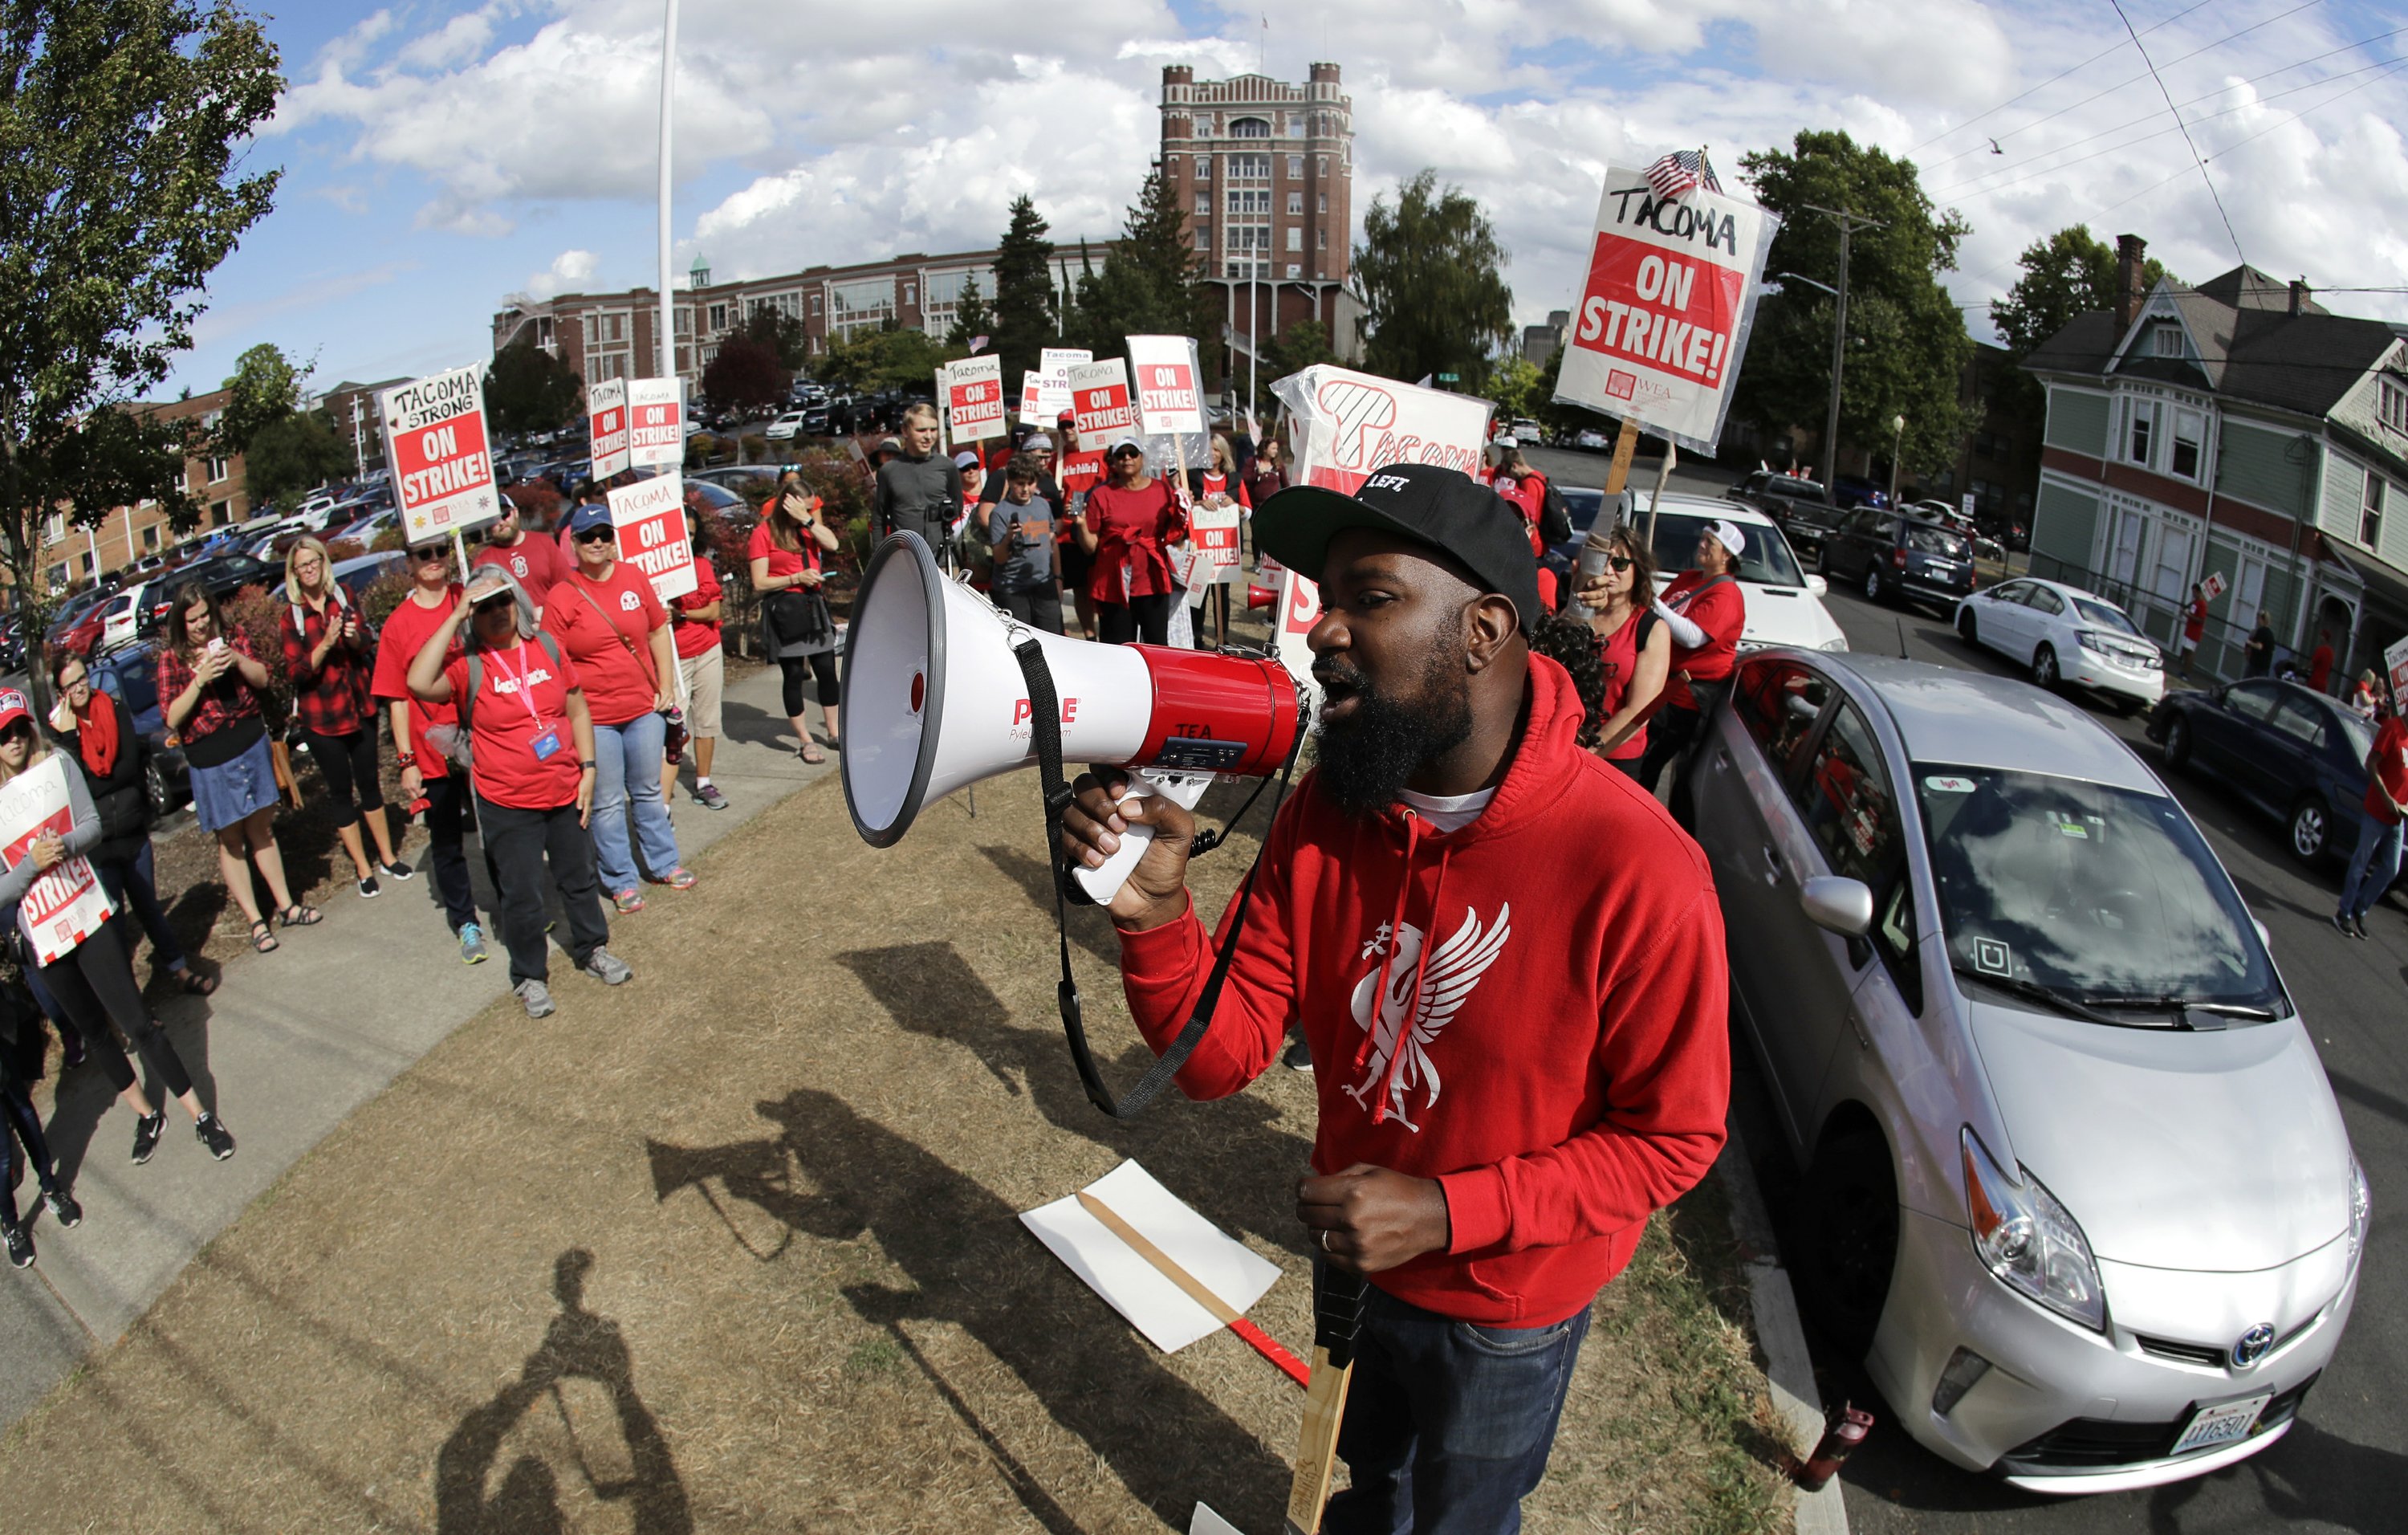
593	536
80	682
428	555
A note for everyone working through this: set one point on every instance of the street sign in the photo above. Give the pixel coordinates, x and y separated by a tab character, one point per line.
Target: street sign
648	517
1450	377
606	426
655	423
435	440
1966	505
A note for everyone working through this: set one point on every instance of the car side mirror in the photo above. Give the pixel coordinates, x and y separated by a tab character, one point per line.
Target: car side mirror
1838	905
1817	585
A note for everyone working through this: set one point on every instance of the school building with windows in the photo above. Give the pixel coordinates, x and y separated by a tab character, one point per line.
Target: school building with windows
75	557
2239	430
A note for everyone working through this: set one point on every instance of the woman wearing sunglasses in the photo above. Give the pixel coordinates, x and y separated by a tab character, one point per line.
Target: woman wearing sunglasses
1636	648
1128	522
93	980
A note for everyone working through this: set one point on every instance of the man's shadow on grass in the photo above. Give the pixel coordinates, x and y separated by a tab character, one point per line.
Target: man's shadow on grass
577	1346
970	1263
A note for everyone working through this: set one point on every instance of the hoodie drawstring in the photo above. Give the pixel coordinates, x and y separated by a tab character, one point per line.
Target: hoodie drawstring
1413	1012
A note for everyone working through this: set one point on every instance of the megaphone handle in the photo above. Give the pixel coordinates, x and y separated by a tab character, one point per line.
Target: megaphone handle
1185	789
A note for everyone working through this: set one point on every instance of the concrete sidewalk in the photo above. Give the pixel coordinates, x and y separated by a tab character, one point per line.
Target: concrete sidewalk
290	1044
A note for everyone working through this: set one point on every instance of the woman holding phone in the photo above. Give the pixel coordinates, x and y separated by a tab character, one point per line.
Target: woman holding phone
328	653
784	554
209	692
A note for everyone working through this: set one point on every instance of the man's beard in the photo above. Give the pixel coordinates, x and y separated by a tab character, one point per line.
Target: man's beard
1365	757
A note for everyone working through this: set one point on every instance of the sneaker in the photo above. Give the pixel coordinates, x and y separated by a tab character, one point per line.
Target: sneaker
681	878
536	996
62	1208
2341	924
20	1243
400	870
147	1131
71	1048
210	1131
472	944
1298	1056
628	900
608	967
2357	928
708	798
368	888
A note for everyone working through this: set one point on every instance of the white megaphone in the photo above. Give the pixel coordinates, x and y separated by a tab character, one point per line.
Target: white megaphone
935	698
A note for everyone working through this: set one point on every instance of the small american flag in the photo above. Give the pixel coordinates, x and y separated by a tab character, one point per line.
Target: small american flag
1677	172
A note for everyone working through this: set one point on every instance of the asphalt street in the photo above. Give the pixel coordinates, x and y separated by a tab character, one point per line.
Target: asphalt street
2344	1464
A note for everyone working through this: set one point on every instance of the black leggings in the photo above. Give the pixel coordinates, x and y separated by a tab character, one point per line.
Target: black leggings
94	983
348	765
1146	619
822	666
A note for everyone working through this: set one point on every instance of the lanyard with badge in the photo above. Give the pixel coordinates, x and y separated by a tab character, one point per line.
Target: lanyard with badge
546	744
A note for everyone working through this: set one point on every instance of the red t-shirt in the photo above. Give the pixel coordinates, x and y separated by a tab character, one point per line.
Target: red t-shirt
406	633
2320	661
1078	472
782	562
525	698
1621	658
536	561
695	636
2195	619
2387	764
591	618
1132	527
1721	611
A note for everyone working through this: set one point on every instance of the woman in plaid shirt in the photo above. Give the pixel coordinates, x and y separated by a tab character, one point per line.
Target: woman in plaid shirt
208	690
328	652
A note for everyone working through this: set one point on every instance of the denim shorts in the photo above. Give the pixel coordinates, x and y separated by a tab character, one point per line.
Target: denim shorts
232	791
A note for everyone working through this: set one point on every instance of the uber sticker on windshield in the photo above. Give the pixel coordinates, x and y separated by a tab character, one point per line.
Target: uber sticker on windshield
1991	955
1943	784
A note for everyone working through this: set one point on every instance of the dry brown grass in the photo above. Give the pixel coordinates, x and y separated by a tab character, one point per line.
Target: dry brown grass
735	1247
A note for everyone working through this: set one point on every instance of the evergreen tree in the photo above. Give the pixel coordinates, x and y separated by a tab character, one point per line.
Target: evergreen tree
1429	275
1024	322
973	320
529	390
1151	283
1296	349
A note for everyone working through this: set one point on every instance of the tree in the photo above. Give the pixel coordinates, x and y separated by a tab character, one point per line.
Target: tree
1298	347
123	124
973	320
2070	273
782	334
746	375
1517	387
1151	283
890	357
1558	418
1429	275
529	390
294	454
1906	346
1025	321
265	388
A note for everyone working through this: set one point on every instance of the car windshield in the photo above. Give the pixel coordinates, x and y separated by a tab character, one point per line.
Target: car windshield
2098	894
1925	538
2105	616
1583	504
1767	557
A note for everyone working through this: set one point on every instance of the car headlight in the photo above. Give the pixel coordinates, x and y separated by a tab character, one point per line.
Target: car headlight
2361	1210
1837	642
2028	1240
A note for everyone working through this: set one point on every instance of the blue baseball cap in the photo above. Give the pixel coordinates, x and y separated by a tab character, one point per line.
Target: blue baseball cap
592	514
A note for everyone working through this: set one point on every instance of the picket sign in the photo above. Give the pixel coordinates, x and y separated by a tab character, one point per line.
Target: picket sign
1212	532
605	425
1054	366
1665	311
66	906
656	424
649	518
2395	663
1032	385
2214	586
1125	1275
973	397
1099	400
435	439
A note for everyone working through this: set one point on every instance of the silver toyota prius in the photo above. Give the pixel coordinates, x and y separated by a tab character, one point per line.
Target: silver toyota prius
2075	1180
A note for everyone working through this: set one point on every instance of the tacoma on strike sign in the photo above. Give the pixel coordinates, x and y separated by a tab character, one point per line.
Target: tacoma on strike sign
974	399
1665	312
606	426
434	443
655	423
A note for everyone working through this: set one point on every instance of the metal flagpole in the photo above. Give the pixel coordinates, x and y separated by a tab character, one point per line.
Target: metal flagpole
669	294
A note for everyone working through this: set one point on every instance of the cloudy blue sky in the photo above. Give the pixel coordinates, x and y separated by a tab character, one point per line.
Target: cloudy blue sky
439	155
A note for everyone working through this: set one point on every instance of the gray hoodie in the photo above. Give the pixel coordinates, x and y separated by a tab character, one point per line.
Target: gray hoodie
81	836
922	495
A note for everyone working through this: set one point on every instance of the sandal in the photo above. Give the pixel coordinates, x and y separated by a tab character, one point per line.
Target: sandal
811	753
263	939
298	915
196	983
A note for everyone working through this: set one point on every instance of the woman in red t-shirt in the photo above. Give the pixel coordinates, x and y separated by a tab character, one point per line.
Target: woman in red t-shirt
1707	611
785	556
533	743
1127	522
616	632
1635	647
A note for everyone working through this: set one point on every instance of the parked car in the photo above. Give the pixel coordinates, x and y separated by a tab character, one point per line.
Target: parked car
785	426
365	531
2075	1184
80	634
2292	753
125	617
71	613
1851	491
358	573
1785	605
1777	494
1590	439
222	575
1891	555
2069	637
132	673
1529	434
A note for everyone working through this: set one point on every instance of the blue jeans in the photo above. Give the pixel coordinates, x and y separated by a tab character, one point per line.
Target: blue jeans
134	885
628	773
1448	1424
2372	867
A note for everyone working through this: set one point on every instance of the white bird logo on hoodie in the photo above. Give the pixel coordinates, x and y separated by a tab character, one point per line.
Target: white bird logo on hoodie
1455	967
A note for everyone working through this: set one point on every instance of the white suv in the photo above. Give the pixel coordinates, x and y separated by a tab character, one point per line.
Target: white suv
785	426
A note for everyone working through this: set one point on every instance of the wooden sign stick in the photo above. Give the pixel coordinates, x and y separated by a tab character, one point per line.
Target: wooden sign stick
1626	443
1338	1317
1264	1343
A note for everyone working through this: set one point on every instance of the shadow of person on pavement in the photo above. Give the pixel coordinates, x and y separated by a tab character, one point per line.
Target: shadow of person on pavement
577	1346
971	1264
2311	1478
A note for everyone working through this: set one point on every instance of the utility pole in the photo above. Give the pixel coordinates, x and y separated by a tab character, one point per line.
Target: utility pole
1849	223
1897	446
668	288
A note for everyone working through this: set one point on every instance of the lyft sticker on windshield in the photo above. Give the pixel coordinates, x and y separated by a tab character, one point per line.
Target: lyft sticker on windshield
1946	786
2075	830
1991	957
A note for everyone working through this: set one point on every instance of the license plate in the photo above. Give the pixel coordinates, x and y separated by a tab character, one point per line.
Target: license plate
2221	1423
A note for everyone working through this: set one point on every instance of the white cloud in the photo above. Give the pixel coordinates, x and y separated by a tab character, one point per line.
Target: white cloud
569	271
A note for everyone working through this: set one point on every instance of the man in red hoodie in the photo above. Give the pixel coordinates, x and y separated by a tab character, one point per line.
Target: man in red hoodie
1507	960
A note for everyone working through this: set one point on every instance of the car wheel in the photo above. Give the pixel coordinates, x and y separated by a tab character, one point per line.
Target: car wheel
1872	583
2177	741
2044	672
1851	1243
2311	829
1967	628
154	788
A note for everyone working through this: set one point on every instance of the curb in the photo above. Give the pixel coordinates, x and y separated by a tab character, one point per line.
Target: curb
1779	1333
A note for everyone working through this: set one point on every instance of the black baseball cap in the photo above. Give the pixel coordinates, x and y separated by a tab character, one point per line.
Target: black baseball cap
1445	509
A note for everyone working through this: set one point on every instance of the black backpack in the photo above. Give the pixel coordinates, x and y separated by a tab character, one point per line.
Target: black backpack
1555	517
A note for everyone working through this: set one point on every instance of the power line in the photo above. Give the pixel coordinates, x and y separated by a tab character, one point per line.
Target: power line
2051	81
2185	130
